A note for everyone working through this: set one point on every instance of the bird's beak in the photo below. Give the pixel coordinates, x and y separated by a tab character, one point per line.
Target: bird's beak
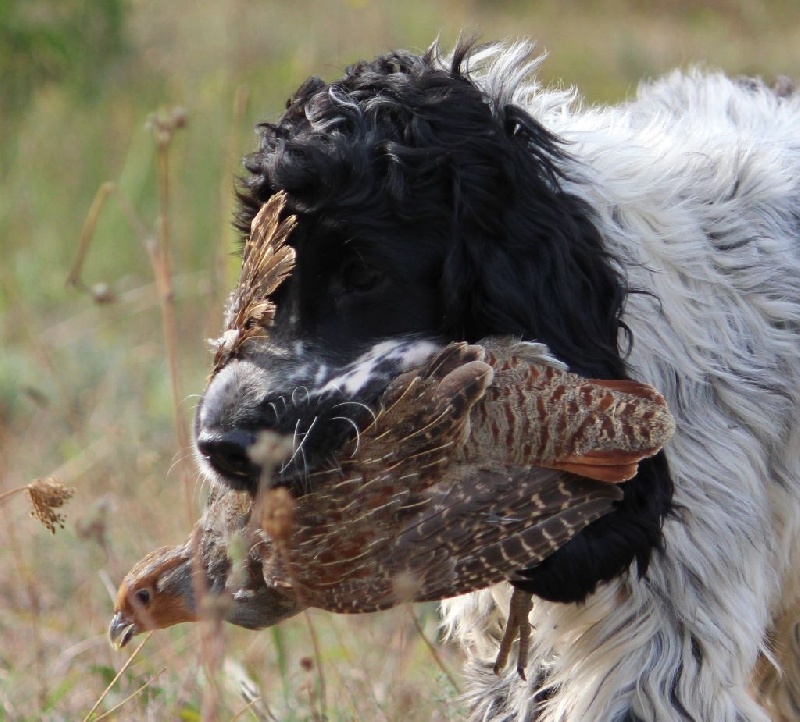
121	630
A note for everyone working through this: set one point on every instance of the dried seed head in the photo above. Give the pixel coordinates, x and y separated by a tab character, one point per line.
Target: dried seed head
271	449
46	496
277	513
405	587
215	607
102	293
179	117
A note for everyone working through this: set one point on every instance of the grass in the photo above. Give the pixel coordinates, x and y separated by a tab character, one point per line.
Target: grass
94	394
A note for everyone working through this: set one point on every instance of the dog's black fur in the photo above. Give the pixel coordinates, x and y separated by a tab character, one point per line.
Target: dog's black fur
424	211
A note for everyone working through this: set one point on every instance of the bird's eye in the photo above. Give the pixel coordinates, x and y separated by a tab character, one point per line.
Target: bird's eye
360	276
142	596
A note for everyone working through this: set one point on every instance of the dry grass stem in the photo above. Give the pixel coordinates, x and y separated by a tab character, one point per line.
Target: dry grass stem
163	127
117	676
251	707
320	673
130	696
220	252
433	651
107	189
89	225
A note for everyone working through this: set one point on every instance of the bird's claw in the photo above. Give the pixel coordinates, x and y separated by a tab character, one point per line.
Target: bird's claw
519	608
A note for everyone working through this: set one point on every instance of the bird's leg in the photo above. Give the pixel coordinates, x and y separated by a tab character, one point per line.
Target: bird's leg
518	610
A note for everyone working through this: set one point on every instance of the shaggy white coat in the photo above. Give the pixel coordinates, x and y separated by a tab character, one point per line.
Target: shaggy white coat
696	188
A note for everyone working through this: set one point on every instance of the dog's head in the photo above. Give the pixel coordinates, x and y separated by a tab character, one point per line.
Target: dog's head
429	208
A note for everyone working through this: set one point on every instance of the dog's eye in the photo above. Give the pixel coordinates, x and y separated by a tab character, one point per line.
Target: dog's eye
360	276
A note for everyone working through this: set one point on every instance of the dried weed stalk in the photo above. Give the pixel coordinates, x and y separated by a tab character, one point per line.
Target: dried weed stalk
156	242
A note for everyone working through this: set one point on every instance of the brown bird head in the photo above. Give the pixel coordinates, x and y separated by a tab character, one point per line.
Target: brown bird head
156	593
163	589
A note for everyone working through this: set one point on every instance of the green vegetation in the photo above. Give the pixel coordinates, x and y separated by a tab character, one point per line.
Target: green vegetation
85	390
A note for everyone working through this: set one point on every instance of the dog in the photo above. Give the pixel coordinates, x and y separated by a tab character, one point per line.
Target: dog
443	198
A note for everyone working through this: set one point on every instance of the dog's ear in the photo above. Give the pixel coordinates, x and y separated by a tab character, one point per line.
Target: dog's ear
530	261
527	259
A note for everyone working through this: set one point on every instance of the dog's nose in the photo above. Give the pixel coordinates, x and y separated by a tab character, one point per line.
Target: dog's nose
227	452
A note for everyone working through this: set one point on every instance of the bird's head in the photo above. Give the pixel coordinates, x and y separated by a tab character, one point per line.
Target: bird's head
161	590
156	593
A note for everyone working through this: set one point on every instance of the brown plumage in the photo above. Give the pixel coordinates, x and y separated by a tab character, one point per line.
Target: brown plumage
266	261
214	565
458	482
534	413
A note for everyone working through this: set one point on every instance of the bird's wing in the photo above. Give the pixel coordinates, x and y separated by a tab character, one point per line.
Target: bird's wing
445	492
476	528
424	415
267	260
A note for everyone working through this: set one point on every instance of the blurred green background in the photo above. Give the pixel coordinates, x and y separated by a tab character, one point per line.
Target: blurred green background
84	386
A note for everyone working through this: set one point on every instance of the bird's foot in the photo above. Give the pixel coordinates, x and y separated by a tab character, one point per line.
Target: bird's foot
519	608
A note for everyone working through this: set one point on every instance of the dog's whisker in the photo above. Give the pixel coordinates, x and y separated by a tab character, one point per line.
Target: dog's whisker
359	404
301	388
303	452
294	394
299	446
355	426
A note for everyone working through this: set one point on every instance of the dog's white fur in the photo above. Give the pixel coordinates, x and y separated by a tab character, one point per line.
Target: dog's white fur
696	188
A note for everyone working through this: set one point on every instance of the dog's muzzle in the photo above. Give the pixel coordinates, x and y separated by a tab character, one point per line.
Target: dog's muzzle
319	406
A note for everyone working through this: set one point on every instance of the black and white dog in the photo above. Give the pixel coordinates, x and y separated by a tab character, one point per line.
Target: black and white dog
453	198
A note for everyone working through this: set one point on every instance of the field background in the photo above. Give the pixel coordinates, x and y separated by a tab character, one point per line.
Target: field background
85	390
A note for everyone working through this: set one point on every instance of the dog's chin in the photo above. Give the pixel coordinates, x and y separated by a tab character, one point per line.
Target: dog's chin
239	482
295	478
